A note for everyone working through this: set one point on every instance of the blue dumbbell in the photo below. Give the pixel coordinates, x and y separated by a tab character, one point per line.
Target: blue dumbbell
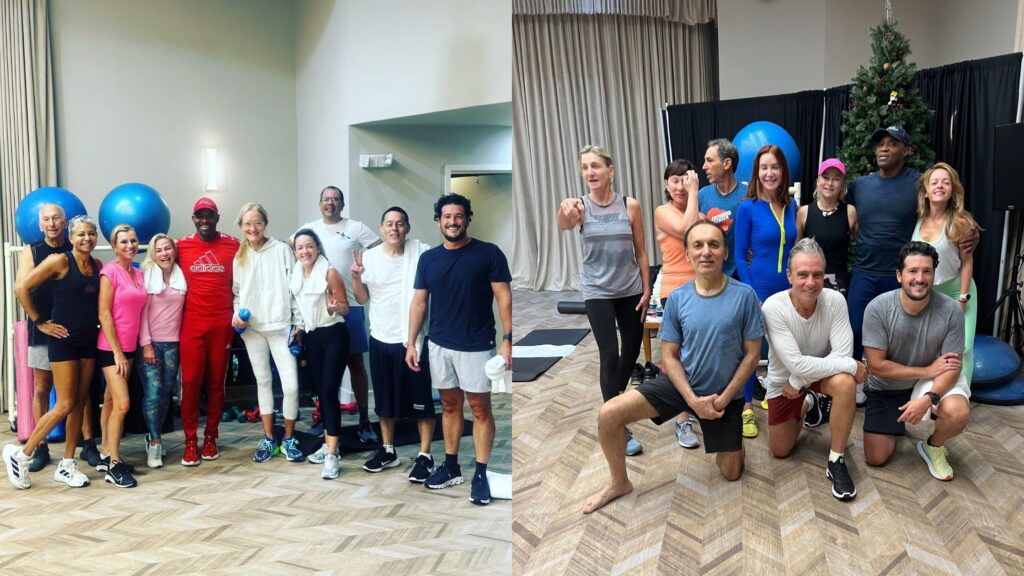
244	315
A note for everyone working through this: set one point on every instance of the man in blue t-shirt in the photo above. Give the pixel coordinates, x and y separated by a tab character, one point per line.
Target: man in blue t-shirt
710	342
719	199
459	278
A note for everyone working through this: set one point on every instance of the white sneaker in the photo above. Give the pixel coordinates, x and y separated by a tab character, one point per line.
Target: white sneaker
862	398
17	466
67	473
154	454
332	466
318	456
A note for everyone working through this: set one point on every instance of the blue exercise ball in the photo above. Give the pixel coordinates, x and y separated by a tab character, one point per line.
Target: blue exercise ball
755	135
26	217
994	361
137	205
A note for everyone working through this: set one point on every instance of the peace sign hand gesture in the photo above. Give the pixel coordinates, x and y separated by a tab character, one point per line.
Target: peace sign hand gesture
357	265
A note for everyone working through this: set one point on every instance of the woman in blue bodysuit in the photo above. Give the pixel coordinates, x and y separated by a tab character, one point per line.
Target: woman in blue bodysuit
766	230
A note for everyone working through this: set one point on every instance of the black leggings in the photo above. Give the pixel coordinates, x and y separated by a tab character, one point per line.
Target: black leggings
327	353
616	365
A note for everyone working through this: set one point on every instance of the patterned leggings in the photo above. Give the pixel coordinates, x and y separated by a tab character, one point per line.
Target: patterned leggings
158	381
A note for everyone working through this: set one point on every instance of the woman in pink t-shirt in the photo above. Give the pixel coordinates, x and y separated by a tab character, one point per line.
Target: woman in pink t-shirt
159	337
122	296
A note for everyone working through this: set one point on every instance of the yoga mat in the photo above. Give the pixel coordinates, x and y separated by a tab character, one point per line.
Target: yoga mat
557	336
529	369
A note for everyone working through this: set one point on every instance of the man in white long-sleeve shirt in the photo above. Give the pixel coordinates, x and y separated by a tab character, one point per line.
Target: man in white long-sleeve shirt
810	342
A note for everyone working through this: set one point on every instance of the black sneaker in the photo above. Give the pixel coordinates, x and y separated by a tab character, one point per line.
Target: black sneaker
444	477
119	475
842	484
637	376
825	401
90	453
103	465
480	490
813	418
40	458
366	433
380	460
650	372
421	469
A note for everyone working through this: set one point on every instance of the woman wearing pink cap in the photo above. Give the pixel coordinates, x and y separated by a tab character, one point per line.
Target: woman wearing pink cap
831	222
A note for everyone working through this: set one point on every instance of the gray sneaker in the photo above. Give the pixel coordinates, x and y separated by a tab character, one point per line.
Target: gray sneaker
332	466
685	434
319	456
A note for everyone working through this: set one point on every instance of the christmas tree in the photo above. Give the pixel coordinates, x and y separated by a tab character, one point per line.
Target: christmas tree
885	94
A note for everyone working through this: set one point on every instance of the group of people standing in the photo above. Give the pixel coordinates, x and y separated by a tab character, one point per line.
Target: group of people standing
743	266
183	307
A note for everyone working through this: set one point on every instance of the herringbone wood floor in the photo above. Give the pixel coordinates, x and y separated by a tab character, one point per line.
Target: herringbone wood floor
231	516
780	518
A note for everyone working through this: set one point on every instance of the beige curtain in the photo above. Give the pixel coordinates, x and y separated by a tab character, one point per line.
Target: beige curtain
593	79
28	156
680	11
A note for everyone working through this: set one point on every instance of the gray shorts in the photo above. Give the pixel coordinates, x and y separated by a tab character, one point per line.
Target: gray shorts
454	369
39	357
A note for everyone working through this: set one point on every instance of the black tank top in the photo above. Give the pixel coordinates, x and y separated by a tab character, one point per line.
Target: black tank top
832	233
42	297
76	303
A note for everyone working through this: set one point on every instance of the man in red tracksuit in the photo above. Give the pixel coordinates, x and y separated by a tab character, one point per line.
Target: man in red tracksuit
205	257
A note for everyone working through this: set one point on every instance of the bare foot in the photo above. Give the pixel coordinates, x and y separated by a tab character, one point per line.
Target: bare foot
606	495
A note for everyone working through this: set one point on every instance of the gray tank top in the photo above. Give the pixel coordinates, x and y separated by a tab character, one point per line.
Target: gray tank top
609	263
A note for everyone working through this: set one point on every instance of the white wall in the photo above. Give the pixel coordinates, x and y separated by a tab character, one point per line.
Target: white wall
779	46
363	61
142	86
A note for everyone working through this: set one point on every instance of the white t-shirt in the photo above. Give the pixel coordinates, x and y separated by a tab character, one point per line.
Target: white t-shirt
339	240
382	276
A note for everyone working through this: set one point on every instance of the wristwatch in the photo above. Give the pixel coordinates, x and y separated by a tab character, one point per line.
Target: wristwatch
934	397
507	336
964	297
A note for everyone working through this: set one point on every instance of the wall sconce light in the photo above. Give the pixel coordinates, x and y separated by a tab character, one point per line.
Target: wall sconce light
211	169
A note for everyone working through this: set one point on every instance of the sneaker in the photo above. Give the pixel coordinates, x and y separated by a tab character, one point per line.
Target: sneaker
104	465
444	477
842	484
633	446
332	467
813	417
759	389
119	475
40	458
291	451
318	457
154	454
480	490
67	473
637	376
191	456
380	460
17	466
764	404
422	469
685	435
210	451
650	372
825	402
935	458
264	450
862	398
366	433
90	453
749	424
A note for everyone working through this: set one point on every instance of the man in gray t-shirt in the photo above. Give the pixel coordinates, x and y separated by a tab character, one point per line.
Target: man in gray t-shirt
913	340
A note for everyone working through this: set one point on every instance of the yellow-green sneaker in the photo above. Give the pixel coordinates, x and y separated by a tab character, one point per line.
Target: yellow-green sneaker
764	404
935	458
749	424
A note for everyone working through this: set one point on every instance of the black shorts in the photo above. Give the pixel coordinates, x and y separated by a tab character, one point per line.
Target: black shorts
723	434
68	349
398	392
105	358
883	409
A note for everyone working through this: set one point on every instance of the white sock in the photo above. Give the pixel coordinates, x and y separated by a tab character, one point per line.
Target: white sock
423	454
389	448
833	455
66	461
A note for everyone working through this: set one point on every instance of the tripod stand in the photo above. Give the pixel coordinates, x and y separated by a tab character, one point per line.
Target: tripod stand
1013	322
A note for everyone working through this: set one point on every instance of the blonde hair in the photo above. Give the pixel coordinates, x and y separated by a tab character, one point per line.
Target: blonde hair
959	222
150	260
243	249
600	151
842	190
121	228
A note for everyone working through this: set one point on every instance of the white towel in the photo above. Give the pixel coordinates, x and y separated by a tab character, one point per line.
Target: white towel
153	276
501	378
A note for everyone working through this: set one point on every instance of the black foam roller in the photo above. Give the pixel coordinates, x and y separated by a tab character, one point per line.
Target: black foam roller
571	307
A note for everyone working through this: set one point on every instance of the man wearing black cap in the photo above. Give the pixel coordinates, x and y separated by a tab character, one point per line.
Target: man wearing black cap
886	203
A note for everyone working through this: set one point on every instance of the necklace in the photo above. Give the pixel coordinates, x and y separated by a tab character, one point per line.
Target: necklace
827	213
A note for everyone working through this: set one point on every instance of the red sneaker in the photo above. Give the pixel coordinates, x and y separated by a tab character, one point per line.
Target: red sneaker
210	451
191	457
349	408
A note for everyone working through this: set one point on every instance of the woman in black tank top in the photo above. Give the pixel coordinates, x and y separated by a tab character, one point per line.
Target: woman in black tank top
72	330
831	222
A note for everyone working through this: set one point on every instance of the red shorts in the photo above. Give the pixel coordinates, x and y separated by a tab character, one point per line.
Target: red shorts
782	409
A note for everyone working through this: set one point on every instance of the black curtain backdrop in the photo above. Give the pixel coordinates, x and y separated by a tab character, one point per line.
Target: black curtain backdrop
969	99
691	126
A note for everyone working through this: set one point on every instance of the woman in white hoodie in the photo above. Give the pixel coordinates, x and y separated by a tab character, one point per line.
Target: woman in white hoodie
261	273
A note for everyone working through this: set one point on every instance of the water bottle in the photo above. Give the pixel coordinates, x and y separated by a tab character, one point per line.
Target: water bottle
652	308
244	315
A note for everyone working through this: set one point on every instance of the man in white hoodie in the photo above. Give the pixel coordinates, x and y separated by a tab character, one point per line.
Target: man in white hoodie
383	276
